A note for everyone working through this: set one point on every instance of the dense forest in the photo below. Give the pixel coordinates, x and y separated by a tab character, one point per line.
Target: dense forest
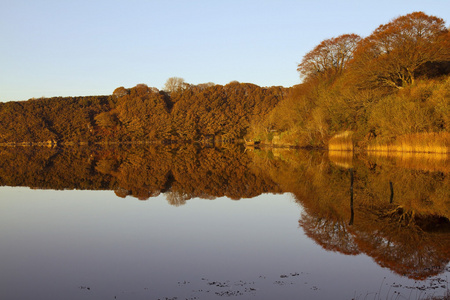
391	87
141	113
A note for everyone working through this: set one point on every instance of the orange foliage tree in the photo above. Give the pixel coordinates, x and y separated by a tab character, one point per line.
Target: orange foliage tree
391	55
330	57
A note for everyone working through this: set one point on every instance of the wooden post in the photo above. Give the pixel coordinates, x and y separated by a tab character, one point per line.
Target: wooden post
352	213
391	200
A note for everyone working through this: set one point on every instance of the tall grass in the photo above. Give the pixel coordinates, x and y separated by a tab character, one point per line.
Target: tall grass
341	142
429	142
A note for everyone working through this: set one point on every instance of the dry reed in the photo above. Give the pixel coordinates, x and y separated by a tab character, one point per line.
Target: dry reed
341	142
429	142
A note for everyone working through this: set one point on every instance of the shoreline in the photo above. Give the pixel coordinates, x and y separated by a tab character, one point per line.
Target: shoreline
386	149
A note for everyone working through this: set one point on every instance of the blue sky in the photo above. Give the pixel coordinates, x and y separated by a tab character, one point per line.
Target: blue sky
88	47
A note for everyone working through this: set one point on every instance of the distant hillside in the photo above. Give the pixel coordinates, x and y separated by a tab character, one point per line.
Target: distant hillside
140	113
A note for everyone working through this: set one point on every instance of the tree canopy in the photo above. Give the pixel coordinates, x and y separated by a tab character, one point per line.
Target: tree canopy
174	84
392	54
329	58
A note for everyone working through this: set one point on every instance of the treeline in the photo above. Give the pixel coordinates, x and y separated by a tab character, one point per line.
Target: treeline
141	113
50	119
391	83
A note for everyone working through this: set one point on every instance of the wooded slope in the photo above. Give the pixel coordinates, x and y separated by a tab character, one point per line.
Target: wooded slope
140	113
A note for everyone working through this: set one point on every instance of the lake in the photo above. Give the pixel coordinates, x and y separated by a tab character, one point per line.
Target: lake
194	222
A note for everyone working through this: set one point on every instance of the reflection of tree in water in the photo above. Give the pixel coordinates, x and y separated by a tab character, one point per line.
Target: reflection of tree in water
181	172
332	235
177	198
406	231
405	228
209	172
403	242
51	168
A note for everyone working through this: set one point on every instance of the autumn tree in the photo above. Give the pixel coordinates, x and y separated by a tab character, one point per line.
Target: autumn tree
143	113
174	84
206	85
392	54
120	92
330	57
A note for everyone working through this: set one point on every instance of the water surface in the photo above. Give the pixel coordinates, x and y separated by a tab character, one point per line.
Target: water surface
206	223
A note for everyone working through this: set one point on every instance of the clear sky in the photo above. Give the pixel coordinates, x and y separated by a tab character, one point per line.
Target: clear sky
90	47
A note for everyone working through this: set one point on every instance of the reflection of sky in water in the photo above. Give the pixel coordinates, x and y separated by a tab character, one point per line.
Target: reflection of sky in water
57	244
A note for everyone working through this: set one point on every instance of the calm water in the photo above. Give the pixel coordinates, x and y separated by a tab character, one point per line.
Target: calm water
204	223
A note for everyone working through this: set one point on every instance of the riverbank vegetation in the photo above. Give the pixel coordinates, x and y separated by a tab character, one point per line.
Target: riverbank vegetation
388	91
